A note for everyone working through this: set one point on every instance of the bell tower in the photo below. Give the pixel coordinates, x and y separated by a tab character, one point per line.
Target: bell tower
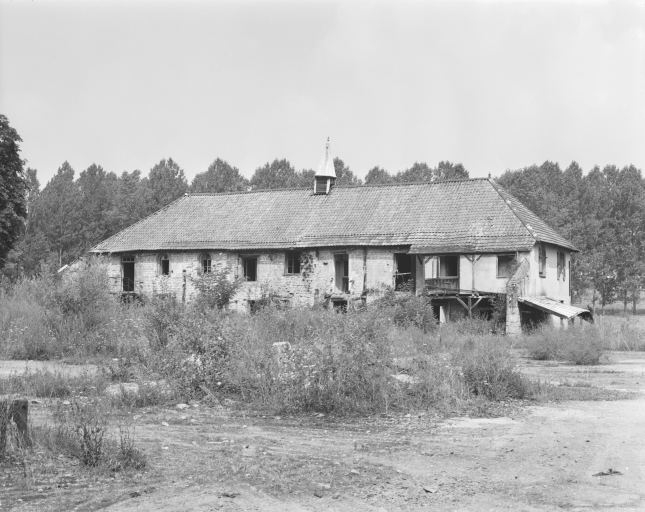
326	174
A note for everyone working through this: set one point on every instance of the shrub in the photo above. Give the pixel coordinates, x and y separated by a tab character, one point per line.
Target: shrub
82	431
215	289
489	370
580	345
162	313
407	309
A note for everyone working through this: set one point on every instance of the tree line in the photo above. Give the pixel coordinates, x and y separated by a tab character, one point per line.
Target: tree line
601	211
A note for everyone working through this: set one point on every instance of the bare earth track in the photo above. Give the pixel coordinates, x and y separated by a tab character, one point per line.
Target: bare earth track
538	458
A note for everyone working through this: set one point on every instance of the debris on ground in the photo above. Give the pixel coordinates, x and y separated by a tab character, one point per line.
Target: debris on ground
609	472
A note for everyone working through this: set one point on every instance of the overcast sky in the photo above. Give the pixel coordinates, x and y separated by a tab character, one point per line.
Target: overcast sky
493	85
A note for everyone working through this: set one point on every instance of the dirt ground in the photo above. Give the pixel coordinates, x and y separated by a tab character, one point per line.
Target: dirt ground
535	458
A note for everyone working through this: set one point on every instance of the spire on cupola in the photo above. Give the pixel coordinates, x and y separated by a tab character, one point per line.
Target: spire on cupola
326	174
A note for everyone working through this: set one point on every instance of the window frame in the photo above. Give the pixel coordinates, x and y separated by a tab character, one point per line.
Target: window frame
442	258
542	260
245	261
513	259
341	259
293	259
404	281
164	261
206	263
562	265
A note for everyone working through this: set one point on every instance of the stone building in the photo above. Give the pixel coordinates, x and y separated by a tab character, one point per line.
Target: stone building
468	244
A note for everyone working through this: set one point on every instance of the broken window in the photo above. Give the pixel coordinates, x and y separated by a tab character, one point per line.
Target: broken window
164	265
207	263
404	272
250	268
341	267
293	262
127	269
505	265
561	266
542	260
448	267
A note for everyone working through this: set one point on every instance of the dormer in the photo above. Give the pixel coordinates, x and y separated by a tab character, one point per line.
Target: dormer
326	174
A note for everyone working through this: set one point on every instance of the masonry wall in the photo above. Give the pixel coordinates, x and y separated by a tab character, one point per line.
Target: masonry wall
371	272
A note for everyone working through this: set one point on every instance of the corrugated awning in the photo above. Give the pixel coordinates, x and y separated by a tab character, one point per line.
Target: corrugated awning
555	307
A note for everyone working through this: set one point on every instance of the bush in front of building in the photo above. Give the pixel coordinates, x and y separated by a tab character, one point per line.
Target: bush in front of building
581	345
215	289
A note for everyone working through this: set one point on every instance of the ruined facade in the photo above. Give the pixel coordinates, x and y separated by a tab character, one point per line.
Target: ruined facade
468	244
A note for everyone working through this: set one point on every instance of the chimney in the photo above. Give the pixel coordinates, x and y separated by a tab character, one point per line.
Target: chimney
326	174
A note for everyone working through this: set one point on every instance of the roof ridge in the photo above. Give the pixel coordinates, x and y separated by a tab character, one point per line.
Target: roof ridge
497	187
363	185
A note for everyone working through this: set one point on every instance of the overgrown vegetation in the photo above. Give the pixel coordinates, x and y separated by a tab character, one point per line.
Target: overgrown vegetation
391	355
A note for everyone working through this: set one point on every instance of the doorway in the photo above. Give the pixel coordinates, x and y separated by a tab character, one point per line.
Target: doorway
341	267
127	271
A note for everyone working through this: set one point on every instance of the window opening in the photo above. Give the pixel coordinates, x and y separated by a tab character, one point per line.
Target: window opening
404	275
207	264
341	266
561	266
542	259
127	269
250	268
165	265
505	265
293	262
449	266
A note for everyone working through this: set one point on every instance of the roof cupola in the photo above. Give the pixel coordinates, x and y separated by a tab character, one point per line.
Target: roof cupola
326	174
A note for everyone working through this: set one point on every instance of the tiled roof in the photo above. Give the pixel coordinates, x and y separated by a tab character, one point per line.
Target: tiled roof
442	217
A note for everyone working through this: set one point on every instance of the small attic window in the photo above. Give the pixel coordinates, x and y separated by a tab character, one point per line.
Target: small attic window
164	265
320	185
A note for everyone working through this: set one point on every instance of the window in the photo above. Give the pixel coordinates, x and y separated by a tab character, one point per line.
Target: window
542	260
293	262
404	272
341	268
164	265
207	263
449	266
561	266
505	265
250	268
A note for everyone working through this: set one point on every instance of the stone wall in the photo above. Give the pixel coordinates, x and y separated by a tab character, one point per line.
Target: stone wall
371	271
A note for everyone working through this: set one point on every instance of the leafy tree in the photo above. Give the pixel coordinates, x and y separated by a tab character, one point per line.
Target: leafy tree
306	178
418	172
277	174
344	176
376	176
56	214
13	189
97	192
128	204
220	177
165	183
449	171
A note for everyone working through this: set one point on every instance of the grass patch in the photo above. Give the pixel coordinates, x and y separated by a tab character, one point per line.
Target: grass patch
46	384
